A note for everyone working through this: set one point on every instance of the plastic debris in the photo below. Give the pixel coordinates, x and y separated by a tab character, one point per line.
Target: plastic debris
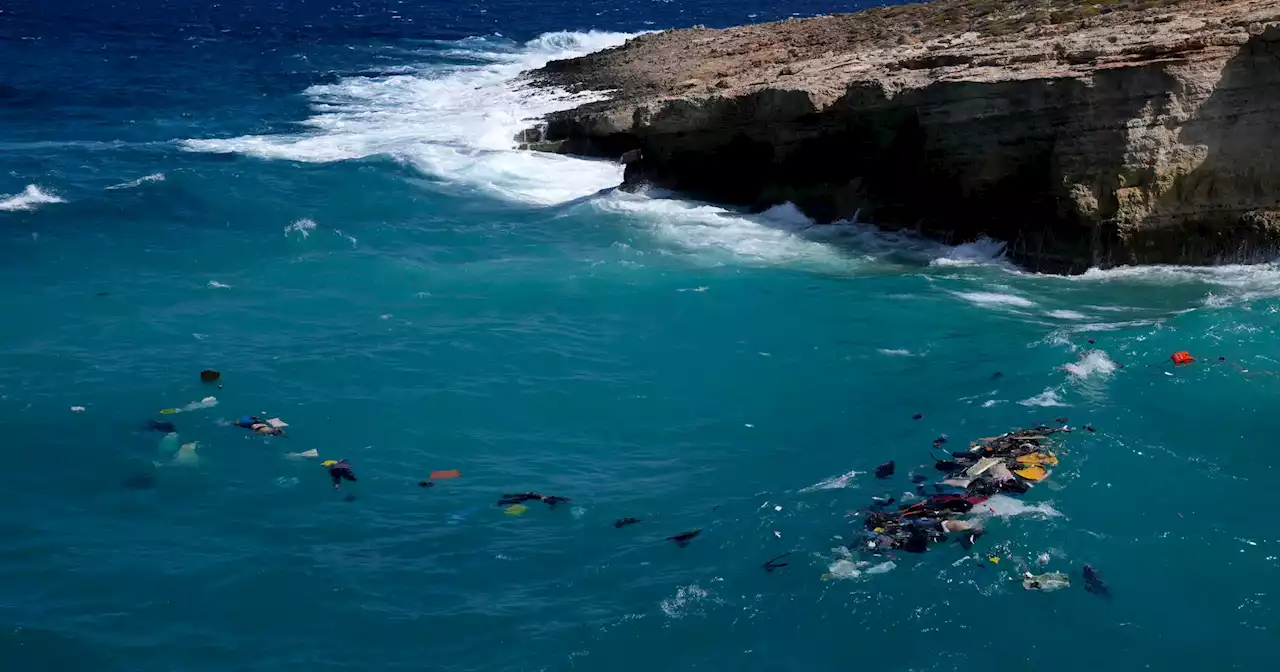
993	560
304	455
516	510
1047	582
77	409
918	416
1183	357
277	423
186	455
882	568
885	470
426	484
623	522
443	474
169	443
209	376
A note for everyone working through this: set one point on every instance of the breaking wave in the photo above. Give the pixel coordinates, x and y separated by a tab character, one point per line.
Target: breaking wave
30	199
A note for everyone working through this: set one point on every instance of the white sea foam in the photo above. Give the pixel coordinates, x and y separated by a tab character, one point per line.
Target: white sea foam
722	235
1091	363
1067	315
214	284
687	601
981	252
1048	398
153	177
1231	283
844	480
453	122
896	353
30	199
995	299
1004	506
302	226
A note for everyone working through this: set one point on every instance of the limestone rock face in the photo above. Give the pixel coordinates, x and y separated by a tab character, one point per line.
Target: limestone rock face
1127	132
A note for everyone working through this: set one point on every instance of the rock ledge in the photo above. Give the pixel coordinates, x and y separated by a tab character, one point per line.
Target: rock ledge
1117	132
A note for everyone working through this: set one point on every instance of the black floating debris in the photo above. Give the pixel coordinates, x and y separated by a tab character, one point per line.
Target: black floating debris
970	538
1093	582
426	484
918	416
623	522
161	426
1089	428
1060	421
684	538
140	481
940	441
772	563
1092	342
522	497
103	294
209	376
997	375
885	470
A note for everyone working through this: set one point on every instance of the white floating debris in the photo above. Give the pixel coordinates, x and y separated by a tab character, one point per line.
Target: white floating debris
777	508
77	409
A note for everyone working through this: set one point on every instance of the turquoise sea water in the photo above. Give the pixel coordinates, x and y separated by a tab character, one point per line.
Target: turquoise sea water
322	203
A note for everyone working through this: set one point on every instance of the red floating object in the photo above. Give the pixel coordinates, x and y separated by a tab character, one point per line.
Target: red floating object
446	473
1183	357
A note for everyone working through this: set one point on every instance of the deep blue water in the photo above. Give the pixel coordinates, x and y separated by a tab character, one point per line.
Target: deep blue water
320	200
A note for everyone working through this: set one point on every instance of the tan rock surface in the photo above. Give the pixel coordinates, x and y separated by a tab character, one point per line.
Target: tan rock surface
1122	131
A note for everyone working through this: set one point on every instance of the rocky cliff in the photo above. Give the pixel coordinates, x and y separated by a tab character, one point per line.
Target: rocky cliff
1083	133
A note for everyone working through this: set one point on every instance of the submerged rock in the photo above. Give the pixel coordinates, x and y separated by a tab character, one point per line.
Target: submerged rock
1081	134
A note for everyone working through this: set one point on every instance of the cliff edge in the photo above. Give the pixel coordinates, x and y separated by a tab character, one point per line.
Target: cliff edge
1083	133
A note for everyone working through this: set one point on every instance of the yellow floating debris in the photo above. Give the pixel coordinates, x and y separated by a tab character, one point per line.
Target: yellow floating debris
1039	458
516	510
1033	473
994	560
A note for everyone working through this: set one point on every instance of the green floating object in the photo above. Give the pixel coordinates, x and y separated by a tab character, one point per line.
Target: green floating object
516	510
168	411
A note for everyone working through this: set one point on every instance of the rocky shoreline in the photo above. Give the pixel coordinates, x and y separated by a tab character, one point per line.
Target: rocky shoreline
1084	134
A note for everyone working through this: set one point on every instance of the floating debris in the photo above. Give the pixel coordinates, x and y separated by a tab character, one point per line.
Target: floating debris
1093	582
1047	582
623	522
772	563
684	538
